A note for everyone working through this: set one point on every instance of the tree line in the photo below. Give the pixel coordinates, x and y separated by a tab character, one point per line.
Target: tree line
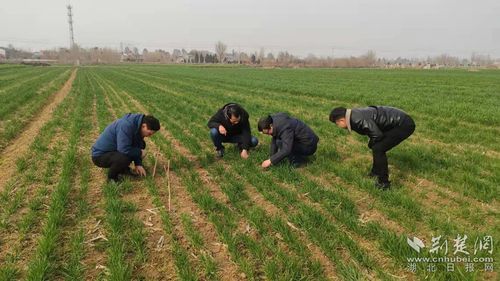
221	55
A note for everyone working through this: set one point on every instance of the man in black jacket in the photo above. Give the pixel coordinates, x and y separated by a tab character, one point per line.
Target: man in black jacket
291	138
385	126
230	124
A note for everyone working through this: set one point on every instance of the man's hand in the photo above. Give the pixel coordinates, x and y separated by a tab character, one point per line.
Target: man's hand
244	154
140	171
143	153
266	163
222	130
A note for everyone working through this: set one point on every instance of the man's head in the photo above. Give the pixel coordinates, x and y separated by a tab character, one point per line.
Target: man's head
337	116
265	125
149	126
233	113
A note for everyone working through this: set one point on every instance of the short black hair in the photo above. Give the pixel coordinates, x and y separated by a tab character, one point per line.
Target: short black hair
265	123
151	122
233	109
337	113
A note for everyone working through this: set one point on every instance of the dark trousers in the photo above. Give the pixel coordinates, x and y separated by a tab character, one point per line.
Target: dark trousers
116	162
391	139
299	151
218	139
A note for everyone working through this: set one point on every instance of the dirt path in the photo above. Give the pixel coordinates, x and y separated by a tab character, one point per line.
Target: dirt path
21	144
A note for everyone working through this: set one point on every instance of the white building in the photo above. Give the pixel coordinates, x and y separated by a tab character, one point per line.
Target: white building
3	54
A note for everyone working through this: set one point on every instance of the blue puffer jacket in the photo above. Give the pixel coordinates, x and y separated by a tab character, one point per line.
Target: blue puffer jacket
123	135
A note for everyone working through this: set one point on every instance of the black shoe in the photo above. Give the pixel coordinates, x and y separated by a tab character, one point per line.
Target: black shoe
116	181
220	152
297	161
383	185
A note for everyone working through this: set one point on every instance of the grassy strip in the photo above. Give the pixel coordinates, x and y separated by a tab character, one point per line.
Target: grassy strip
126	245
72	254
182	261
19	117
13	197
196	240
42	266
25	91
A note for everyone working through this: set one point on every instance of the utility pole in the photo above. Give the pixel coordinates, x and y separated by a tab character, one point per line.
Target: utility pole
70	21
239	54
333	49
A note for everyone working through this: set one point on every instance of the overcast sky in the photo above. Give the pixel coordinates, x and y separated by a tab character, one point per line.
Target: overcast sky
409	28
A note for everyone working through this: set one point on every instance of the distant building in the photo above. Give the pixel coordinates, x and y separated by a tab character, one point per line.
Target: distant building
3	54
231	58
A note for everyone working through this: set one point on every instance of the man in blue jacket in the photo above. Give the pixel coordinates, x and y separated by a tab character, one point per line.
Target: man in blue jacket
122	142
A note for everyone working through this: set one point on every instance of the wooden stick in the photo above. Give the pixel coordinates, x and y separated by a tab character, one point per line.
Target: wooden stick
167	171
100	236
156	161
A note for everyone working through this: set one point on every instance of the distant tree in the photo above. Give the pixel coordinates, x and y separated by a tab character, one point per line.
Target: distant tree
370	58
204	56
244	58
220	50
253	59
262	55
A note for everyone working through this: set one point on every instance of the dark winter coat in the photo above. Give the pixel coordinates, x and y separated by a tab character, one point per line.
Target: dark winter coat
289	131
373	121
242	128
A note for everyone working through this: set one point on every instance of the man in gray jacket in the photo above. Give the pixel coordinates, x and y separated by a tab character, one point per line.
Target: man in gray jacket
292	139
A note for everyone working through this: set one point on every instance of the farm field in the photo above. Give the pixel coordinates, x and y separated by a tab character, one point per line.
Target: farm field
227	219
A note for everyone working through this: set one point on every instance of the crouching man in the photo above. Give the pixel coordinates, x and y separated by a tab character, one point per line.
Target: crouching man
121	143
292	139
385	126
230	125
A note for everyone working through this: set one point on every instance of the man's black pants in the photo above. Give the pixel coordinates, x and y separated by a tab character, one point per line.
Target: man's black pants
218	139
391	139
299	151
116	162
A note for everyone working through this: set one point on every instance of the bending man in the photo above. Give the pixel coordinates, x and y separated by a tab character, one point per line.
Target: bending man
292	139
385	126
122	142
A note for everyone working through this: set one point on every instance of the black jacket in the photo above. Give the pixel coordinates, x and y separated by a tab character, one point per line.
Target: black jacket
373	121
289	130
242	128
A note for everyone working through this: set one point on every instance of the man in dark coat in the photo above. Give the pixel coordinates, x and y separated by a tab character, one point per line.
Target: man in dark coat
385	126
122	142
292	139
230	124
